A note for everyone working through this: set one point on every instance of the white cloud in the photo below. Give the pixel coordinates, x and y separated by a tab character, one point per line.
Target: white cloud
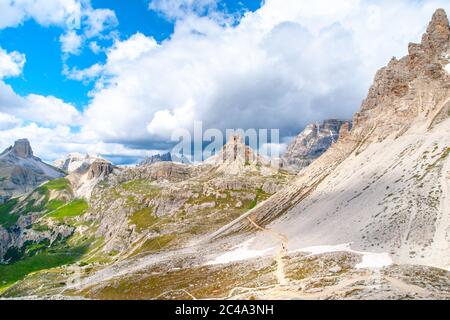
8	121
11	64
47	111
181	8
71	42
77	17
283	66
95	48
272	149
66	13
85	74
130	50
98	20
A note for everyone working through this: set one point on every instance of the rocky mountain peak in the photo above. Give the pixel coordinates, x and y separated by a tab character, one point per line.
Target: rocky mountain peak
312	142
22	148
396	99
99	168
438	31
235	149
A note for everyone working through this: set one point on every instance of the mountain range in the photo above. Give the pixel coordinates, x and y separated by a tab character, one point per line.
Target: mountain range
359	210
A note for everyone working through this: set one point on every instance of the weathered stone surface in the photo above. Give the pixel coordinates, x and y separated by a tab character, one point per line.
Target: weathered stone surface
312	143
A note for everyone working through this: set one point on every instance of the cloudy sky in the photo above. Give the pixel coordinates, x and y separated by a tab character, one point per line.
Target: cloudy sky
116	77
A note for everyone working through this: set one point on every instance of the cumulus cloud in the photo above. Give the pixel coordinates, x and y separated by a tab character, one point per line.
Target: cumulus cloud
11	64
77	17
287	64
66	13
98	20
8	121
71	42
47	111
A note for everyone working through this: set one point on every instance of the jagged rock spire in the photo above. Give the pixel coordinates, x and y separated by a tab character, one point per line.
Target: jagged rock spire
438	31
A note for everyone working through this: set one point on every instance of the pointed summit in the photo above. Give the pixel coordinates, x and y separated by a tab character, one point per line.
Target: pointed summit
22	148
438	31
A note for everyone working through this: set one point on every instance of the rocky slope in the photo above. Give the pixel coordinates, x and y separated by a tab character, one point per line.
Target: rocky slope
21	171
47	215
311	143
140	211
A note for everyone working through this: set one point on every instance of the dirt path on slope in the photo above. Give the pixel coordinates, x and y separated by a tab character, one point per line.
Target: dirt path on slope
281	254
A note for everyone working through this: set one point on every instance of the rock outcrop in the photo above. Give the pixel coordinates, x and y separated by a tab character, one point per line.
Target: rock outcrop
87	176
312	143
76	161
236	158
21	171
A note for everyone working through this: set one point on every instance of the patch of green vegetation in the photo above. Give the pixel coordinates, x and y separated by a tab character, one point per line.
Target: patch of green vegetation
40	227
155	244
260	196
141	186
54	204
49	258
113	253
70	210
143	219
58	184
6	218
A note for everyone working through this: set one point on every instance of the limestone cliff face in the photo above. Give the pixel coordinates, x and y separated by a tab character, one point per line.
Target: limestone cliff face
412	89
21	171
99	168
312	143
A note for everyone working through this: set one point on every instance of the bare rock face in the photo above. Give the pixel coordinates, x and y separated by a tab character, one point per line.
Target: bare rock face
415	86
166	157
99	168
236	158
21	171
312	143
84	179
22	149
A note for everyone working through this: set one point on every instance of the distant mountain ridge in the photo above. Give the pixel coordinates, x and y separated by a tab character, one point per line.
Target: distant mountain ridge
312	142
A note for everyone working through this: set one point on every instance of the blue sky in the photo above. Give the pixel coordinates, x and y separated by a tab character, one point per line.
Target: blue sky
119	78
